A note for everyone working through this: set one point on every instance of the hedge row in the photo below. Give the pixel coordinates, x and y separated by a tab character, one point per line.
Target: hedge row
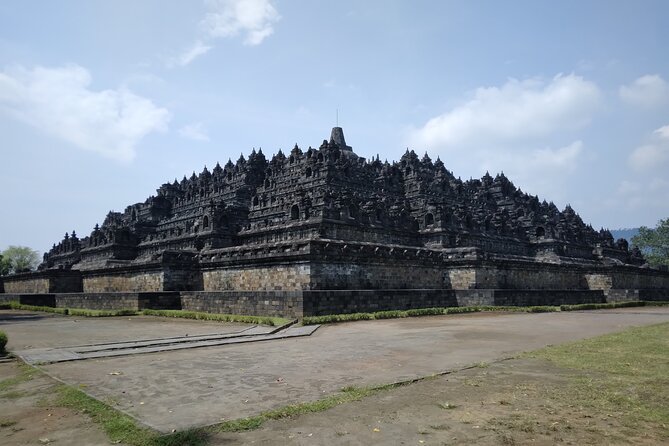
261	320
394	314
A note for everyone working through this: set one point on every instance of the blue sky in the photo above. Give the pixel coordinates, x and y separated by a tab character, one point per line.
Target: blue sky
101	102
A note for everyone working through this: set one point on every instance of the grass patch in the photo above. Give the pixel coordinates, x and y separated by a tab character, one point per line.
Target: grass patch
3	343
26	373
395	314
74	311
122	428
101	313
261	320
18	306
624	373
346	395
604	306
436	311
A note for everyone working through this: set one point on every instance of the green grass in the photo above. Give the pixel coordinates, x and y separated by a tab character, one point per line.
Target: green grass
3	342
18	306
394	314
624	373
262	320
26	373
605	306
346	395
74	311
101	313
122	428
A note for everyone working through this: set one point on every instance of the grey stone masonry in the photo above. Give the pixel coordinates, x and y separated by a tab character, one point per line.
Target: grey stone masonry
321	229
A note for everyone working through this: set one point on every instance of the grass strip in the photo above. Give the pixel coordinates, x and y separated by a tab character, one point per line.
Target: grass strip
26	374
3	343
74	311
122	428
346	395
394	314
262	320
18	306
622	373
604	306
101	313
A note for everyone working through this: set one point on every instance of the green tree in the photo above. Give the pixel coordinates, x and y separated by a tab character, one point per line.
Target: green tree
654	243
19	259
4	266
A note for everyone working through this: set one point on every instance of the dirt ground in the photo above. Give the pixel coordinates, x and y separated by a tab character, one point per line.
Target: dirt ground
27	416
511	402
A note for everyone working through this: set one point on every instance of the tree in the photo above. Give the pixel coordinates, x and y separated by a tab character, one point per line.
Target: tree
18	259
4	266
654	243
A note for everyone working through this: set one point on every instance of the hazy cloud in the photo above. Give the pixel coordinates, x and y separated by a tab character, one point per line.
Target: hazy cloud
518	127
653	155
192	53
518	110
194	131
59	102
647	91
253	19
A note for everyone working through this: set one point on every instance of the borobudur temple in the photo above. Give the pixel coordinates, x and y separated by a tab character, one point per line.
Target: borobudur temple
322	231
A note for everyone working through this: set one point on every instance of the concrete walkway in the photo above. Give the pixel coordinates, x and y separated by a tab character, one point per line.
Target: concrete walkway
193	387
42	356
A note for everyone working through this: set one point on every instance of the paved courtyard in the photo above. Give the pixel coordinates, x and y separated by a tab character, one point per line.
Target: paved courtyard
199	386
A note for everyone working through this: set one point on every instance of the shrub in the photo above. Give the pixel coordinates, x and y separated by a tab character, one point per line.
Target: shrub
425	312
580	307
3	342
101	313
261	320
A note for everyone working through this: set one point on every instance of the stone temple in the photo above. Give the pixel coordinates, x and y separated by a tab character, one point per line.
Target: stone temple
324	230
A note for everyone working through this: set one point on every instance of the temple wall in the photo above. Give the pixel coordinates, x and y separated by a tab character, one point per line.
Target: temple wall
123	282
320	302
258	278
57	281
511	275
252	303
639	278
356	276
119	301
38	285
599	281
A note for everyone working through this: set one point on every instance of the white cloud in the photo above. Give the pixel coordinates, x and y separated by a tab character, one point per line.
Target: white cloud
518	110
254	19
192	53
194	131
526	128
641	195
564	158
544	172
653	155
647	91
663	132
59	102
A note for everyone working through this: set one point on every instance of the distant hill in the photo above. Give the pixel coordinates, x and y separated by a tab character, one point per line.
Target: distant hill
626	233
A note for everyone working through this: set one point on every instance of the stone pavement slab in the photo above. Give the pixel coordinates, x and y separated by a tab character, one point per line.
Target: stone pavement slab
62	331
43	356
193	387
